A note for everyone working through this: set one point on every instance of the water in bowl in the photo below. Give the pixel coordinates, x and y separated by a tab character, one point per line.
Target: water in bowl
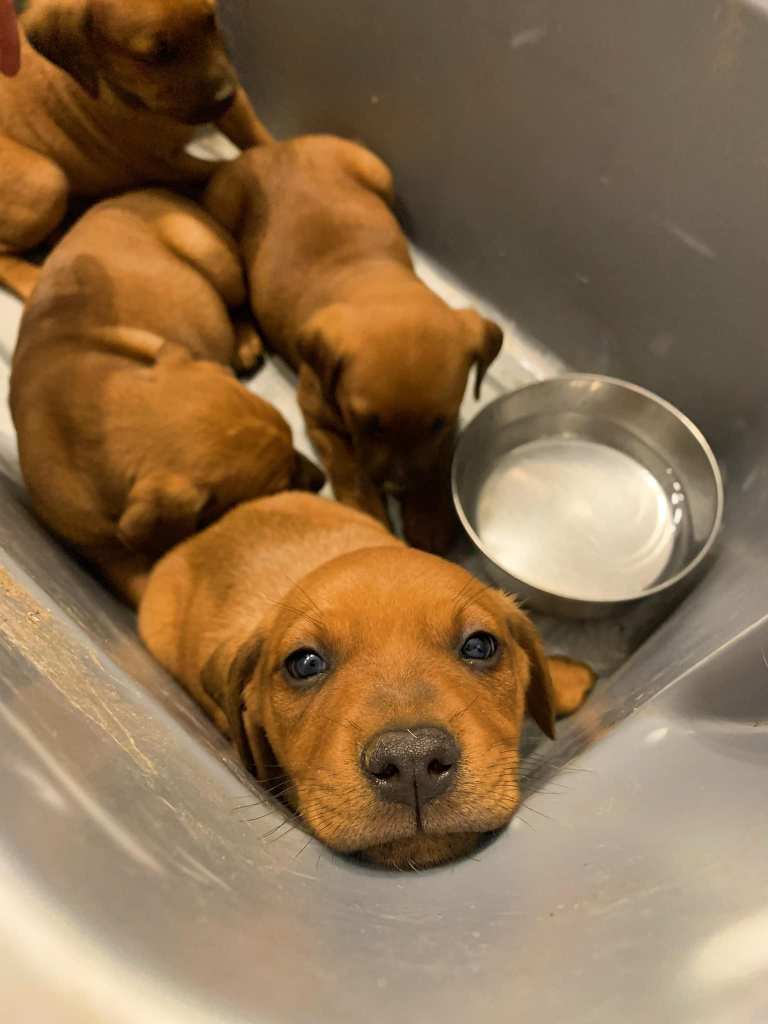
578	518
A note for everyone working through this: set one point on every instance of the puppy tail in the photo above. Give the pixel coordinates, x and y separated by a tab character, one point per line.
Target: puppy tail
136	343
18	276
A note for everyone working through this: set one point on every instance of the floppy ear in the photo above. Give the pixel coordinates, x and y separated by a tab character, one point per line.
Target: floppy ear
162	508
485	343
59	30
224	678
540	697
323	347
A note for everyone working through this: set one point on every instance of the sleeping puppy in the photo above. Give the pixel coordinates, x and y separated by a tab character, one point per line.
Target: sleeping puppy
383	362
127	445
126	442
383	689
107	98
153	261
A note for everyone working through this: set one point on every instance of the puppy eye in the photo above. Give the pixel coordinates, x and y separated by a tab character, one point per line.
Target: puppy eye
479	647
305	664
373	425
438	424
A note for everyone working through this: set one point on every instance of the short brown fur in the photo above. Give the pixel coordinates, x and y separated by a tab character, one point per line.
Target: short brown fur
383	362
132	429
223	610
107	99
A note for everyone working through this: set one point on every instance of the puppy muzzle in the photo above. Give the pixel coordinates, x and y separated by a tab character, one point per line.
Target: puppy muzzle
214	108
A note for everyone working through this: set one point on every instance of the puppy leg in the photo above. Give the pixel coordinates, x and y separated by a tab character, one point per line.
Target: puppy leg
18	276
33	200
162	509
326	432
572	681
124	572
369	170
349	485
429	520
241	125
249	348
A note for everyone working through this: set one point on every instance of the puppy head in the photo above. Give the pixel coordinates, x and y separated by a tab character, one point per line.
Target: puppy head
212	445
397	376
235	443
165	56
390	688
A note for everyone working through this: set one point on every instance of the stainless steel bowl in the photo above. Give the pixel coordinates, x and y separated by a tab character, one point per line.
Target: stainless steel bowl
586	494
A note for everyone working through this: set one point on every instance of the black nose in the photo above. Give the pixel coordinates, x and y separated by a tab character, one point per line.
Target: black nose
411	766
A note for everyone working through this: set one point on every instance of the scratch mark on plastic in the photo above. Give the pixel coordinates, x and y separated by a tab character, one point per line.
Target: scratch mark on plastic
692	242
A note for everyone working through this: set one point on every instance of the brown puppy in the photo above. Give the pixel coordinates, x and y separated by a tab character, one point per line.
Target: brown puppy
382	688
122	459
107	99
149	260
383	362
126	442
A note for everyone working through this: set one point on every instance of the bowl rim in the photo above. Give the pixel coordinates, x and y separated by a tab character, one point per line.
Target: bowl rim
686	422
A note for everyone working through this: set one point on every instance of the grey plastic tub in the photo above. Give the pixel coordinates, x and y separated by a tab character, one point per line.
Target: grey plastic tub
595	170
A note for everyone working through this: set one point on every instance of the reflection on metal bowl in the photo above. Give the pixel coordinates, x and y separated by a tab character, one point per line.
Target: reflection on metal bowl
585	493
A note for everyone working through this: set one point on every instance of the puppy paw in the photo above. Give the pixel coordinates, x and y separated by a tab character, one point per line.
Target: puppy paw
249	357
162	509
249	350
429	524
362	495
572	682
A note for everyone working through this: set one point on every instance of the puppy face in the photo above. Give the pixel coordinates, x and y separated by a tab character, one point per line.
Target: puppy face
397	377
391	687
165	56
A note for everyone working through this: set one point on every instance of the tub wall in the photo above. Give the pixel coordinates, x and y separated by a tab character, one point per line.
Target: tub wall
597	168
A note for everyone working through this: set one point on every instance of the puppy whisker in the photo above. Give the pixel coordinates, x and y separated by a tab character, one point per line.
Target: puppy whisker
308	842
267	814
296	585
541	814
471	592
272	831
291	608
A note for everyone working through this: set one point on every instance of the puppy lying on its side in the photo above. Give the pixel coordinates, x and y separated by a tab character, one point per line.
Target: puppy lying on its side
382	688
127	442
383	362
123	458
107	99
149	260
